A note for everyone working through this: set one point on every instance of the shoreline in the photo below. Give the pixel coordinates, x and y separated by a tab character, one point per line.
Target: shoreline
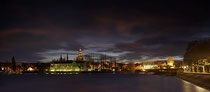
197	79
201	80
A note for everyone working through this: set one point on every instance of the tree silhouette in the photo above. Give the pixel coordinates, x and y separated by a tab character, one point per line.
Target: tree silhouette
13	64
196	50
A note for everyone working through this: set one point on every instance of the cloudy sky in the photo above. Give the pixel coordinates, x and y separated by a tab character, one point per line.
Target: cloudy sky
130	30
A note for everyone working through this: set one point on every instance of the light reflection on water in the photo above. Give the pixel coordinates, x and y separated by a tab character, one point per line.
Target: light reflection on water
95	83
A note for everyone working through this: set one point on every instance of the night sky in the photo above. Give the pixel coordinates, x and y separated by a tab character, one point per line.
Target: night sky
134	31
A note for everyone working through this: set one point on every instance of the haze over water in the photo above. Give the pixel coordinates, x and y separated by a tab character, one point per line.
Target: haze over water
95	83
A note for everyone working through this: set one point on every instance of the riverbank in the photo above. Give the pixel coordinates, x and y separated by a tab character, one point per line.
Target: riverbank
202	80
94	82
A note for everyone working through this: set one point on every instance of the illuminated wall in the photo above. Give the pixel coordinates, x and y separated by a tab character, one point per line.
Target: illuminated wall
67	67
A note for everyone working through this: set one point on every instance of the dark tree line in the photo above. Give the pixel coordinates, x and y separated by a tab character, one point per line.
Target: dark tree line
196	50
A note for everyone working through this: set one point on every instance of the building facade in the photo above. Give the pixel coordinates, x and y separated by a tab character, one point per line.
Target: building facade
68	66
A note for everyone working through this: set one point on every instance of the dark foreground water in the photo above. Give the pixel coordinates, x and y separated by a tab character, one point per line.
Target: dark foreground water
95	83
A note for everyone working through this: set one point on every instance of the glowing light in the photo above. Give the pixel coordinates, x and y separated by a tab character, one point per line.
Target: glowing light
170	61
30	69
2	68
149	66
77	69
139	67
65	68
170	64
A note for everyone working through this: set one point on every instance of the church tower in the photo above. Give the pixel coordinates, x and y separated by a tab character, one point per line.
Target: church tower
67	57
80	57
80	52
170	61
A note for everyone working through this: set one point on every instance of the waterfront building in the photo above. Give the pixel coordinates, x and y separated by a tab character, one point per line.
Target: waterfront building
201	66
170	61
80	57
11	67
64	65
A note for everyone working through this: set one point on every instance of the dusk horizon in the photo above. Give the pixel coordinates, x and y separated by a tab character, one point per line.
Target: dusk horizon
104	46
133	31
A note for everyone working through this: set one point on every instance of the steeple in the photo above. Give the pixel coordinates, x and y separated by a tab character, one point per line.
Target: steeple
61	57
170	61
80	52
13	60
80	57
67	57
13	63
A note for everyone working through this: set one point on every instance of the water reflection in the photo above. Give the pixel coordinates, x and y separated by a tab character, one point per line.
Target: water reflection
96	83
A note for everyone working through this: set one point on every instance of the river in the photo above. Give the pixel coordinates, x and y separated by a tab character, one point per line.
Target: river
95	83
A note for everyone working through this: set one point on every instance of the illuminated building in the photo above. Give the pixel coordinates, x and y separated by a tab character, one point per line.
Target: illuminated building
63	65
30	69
70	66
139	67
148	65
201	66
80	57
169	64
170	61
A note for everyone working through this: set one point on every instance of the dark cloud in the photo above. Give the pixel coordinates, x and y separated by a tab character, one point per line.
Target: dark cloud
130	29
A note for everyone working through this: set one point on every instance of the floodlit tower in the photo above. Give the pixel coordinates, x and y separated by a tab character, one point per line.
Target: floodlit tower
170	61
80	52
80	57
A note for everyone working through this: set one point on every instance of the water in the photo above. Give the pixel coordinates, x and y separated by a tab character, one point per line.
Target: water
95	83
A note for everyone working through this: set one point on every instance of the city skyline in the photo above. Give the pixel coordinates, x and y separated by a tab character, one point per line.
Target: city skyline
131	31
104	46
